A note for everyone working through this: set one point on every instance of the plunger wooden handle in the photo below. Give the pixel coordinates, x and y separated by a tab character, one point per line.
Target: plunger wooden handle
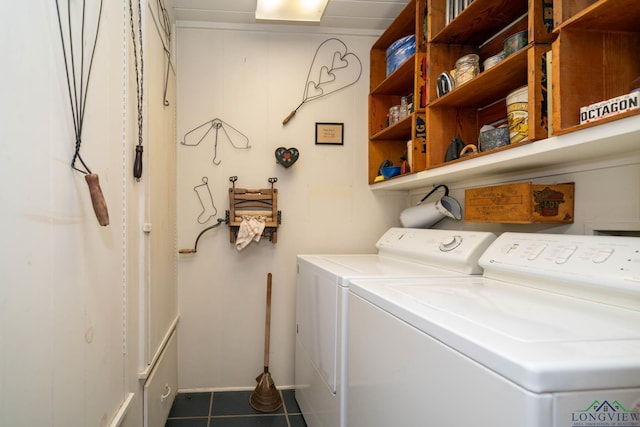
289	117
267	328
97	199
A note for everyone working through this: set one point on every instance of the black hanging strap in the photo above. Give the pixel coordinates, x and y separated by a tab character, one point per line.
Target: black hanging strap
137	164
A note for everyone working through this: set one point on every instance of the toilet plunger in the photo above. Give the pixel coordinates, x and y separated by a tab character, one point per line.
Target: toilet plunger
265	397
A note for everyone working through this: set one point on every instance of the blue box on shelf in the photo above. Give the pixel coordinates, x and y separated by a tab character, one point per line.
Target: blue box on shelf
399	52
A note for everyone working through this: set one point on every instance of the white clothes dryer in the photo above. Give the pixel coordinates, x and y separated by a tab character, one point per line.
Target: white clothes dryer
549	336
322	309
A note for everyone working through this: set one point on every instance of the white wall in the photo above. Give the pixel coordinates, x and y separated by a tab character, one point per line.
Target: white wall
607	196
252	79
62	276
72	307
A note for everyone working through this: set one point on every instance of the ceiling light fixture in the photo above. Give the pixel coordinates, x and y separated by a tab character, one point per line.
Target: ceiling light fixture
290	10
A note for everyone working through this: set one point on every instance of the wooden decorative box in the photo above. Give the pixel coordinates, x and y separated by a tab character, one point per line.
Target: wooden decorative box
521	203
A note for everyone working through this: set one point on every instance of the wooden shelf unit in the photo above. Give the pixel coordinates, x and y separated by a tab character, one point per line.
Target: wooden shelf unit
481	28
594	46
609	140
390	142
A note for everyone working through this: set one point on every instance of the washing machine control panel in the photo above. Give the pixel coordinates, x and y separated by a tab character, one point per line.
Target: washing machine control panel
454	250
597	265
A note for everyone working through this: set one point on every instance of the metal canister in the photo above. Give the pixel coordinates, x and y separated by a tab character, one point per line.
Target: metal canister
518	115
467	67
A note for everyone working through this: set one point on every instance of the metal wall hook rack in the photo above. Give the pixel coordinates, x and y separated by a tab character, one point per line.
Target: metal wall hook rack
195	136
247	202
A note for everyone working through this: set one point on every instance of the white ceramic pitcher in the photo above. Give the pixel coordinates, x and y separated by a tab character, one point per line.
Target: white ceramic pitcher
425	215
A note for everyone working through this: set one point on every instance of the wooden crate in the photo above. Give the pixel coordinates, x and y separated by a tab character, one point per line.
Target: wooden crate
595	57
521	203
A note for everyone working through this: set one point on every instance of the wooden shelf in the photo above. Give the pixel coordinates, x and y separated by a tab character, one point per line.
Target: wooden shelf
489	85
607	140
598	122
400	81
476	23
482	100
603	15
395	131
403	25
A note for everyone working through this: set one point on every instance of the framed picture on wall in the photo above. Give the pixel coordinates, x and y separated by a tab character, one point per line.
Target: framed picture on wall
330	133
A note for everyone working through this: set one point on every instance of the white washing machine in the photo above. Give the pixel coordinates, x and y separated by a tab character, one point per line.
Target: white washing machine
321	312
549	336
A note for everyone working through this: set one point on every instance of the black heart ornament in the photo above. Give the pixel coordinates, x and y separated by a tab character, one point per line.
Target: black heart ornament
287	156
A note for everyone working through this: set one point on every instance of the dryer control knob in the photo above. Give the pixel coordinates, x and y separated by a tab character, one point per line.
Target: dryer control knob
450	243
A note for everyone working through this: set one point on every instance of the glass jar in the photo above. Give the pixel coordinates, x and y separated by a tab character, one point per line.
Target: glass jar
467	67
404	108
394	115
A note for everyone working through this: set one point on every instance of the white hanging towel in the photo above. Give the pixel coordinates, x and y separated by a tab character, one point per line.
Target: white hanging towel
250	229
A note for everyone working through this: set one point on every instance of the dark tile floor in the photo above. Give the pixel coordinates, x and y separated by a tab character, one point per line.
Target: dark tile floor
231	409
